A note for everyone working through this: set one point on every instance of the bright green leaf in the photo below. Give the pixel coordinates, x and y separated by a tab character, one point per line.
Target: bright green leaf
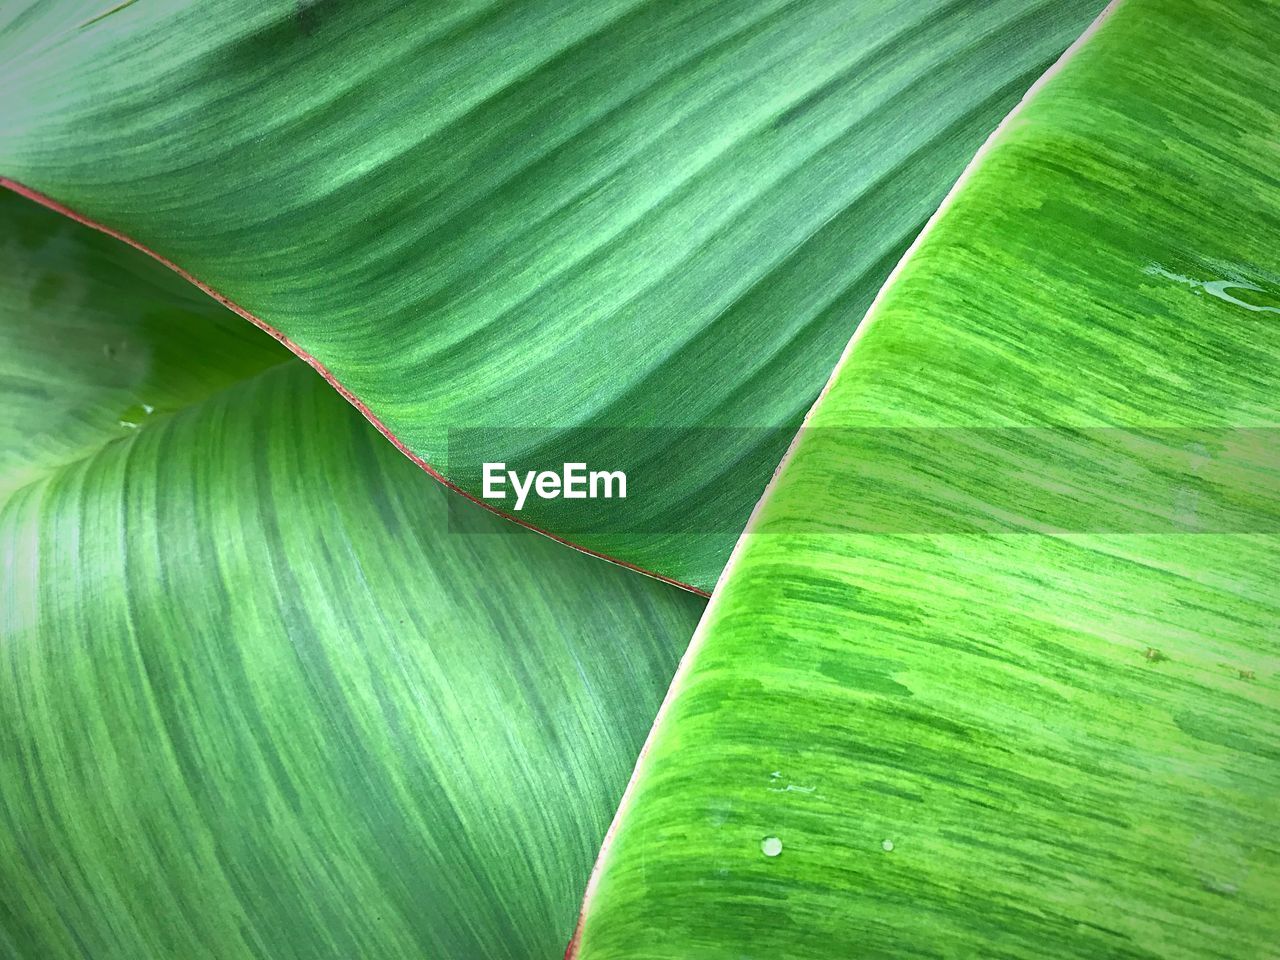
602	213
911	741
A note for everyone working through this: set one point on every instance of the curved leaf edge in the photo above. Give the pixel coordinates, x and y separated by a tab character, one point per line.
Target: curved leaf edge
699	636
53	204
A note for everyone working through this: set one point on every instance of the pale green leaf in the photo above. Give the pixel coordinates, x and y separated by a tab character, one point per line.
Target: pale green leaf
266	689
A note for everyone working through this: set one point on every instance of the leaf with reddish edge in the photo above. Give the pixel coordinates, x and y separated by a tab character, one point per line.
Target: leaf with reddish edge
604	223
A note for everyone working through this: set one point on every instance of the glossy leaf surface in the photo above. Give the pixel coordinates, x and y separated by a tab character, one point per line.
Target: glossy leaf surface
639	216
913	741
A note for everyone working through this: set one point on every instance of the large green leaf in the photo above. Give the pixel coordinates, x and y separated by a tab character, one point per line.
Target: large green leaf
1004	744
544	215
267	690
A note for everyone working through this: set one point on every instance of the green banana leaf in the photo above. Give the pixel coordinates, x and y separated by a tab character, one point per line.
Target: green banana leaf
1036	719
542	217
264	690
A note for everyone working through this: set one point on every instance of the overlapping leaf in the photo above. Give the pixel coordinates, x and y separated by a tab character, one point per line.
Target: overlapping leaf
913	741
607	213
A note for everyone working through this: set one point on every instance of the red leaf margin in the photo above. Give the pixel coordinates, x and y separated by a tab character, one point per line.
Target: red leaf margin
49	202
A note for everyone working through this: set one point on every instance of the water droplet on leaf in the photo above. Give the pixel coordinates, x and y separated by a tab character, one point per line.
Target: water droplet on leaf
133	416
1221	289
